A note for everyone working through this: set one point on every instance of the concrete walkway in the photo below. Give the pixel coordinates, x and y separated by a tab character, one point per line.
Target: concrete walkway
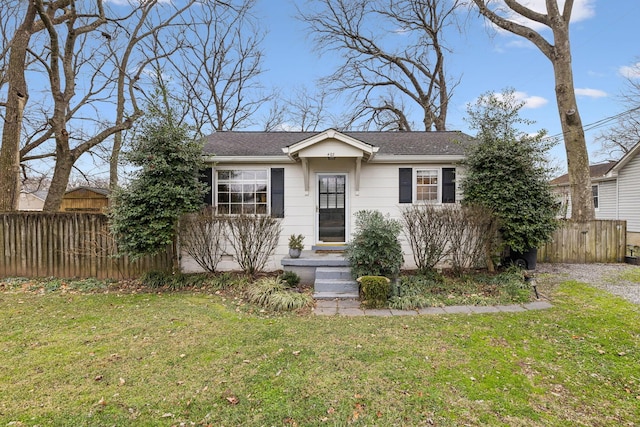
345	307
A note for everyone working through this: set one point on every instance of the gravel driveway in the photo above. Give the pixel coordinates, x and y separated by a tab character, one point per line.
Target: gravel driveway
603	276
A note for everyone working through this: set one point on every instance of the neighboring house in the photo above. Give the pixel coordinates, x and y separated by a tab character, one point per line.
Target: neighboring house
616	192
316	181
85	199
31	200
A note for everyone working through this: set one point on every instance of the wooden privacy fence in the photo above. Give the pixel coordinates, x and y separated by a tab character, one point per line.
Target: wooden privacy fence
66	245
586	242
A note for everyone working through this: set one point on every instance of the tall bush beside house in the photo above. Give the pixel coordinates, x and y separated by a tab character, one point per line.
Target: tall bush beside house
203	237
507	173
428	229
254	239
473	238
144	216
374	249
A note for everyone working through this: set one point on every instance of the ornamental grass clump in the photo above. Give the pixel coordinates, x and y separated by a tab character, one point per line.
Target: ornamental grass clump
374	291
275	295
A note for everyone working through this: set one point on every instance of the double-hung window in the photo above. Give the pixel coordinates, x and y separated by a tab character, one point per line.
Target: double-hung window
594	192
242	191
427	185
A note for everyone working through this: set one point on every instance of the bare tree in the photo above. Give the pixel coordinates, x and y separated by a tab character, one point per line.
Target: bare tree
93	61
308	111
620	138
559	53
380	73
17	96
219	66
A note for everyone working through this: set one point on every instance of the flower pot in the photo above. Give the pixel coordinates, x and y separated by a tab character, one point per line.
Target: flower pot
294	253
525	260
632	260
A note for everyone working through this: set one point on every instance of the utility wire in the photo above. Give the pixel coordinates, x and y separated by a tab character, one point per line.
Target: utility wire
598	123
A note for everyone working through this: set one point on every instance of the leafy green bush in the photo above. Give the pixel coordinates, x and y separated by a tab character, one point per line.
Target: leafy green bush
507	172
228	280
374	249
154	279
374	291
273	294
89	284
291	278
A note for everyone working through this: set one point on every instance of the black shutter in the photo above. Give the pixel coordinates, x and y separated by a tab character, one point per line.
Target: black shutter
448	185
406	185
277	192
206	177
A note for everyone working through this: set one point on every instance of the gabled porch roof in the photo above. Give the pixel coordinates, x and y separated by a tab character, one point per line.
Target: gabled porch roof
330	144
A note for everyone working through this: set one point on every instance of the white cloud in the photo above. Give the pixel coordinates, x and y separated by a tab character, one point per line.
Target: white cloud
530	101
591	93
582	10
630	71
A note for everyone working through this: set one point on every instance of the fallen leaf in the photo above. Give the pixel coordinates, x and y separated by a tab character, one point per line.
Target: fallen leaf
122	381
233	400
98	378
102	401
296	353
167	415
355	416
331	411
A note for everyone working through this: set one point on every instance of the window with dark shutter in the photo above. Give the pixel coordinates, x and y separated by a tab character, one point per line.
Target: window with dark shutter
206	177
277	192
406	184
448	185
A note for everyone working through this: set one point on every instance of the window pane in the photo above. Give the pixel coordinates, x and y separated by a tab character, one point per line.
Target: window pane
242	191
427	185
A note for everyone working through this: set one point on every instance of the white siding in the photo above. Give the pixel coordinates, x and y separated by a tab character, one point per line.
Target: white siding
629	194
379	190
606	200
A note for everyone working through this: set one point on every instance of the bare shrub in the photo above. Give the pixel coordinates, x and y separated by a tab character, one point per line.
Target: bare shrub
473	238
254	239
203	237
428	229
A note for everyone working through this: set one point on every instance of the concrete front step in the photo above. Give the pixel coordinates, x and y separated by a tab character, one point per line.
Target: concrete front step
335	285
335	295
333	273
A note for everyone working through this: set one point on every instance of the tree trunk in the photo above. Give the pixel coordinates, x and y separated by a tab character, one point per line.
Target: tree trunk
582	208
17	97
60	180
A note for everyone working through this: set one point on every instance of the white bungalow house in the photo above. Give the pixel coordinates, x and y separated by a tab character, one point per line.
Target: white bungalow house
616	192
317	181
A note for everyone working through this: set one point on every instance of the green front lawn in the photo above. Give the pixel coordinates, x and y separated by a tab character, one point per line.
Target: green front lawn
200	358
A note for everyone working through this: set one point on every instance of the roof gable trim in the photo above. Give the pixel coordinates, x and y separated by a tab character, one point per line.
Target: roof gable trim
368	150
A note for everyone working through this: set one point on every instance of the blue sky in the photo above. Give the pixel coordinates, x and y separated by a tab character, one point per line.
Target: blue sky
604	39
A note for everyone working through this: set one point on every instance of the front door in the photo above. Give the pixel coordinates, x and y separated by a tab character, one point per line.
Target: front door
331	207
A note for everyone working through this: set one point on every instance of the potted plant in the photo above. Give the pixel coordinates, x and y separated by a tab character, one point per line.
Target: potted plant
296	245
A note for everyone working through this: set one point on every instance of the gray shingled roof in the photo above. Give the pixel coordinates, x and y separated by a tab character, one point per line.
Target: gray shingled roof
595	171
389	143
